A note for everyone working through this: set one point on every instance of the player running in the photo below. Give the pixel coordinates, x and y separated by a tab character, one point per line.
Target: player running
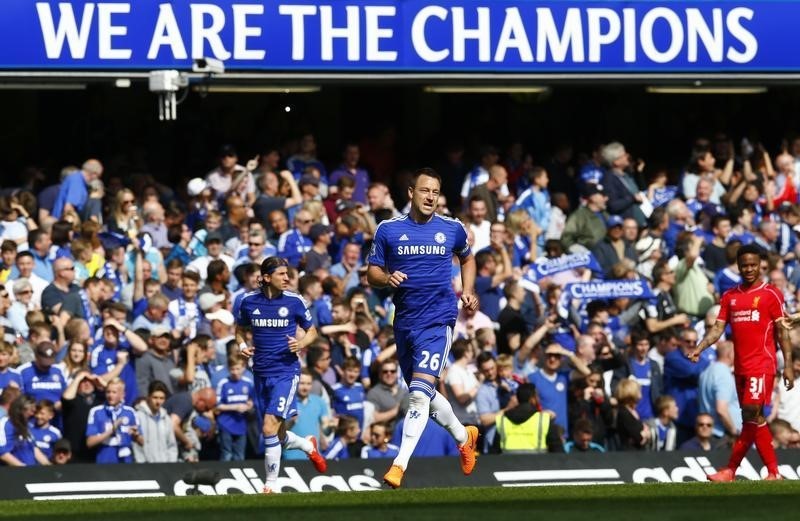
413	253
752	309
272	315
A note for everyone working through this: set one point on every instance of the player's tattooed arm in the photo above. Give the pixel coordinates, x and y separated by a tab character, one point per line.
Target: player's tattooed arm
785	340
712	335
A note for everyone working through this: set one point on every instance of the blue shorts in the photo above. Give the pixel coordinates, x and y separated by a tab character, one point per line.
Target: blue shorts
423	350
276	395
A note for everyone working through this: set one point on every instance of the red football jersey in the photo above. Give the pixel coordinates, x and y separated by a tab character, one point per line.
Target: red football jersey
752	314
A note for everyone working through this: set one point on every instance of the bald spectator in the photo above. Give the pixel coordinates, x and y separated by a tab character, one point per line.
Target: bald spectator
74	191
184	409
63	295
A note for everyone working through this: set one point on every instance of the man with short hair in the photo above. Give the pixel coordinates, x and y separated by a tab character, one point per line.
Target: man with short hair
113	428
23	265
41	379
586	226
753	310
294	243
273	315
313	416
74	190
387	395
717	394
413	254
157	362
349	168
62	295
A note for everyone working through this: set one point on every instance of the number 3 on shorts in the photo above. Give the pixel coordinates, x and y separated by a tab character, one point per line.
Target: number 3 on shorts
430	362
282	404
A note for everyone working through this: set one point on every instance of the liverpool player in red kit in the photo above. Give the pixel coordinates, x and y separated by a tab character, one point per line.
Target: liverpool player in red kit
754	310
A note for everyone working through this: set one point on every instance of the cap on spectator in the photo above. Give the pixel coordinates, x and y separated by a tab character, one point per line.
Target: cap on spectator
590	189
613	220
214	236
196	186
113	240
46	351
223	315
308	179
227	151
62	445
787	207
202	423
160	331
646	246
208	300
317	231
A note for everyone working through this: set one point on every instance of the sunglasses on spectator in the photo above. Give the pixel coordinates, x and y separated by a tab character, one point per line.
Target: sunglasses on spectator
256	243
705	424
389	371
25	292
305	221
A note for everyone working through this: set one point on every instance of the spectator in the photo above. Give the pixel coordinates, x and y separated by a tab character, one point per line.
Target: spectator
44	434
111	359
18	448
624	196
717	394
159	444
703	439
156	363
81	395
379	442
633	434
73	193
387	395
663	433
313	416
113	427
295	243
348	395
349	168
681	378
526	428
183	408
640	367
40	379
490	278
586	226
234	402
582	435
552	382
62	452
588	401
488	398
346	443
613	248
8	375
461	383
691	284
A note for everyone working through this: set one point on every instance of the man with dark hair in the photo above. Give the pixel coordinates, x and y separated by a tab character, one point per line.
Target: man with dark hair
272	315
413	254
525	428
752	309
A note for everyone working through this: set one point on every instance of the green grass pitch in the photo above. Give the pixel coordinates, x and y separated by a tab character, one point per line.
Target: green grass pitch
744	500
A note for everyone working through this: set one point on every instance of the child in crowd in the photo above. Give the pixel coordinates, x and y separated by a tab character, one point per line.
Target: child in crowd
348	395
44	434
8	375
379	446
234	401
663	431
346	443
507	380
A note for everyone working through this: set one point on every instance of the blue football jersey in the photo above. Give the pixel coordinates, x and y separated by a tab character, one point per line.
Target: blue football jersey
424	252
271	321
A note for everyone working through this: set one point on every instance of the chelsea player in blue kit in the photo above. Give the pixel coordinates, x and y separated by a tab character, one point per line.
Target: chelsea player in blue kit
413	253
273	314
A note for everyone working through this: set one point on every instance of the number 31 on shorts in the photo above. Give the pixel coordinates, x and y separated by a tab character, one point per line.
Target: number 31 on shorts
756	386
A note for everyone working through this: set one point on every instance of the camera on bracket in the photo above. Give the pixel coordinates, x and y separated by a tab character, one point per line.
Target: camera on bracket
208	65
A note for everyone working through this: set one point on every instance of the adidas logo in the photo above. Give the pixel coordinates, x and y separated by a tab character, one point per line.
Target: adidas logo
257	312
404	237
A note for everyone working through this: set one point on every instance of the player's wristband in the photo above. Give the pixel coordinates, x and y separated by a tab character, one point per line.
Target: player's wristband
242	346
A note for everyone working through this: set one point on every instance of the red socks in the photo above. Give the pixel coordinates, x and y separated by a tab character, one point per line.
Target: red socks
765	448
742	445
761	435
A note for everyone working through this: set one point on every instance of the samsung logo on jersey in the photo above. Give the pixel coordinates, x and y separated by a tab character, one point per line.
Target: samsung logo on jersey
421	250
47	385
271	322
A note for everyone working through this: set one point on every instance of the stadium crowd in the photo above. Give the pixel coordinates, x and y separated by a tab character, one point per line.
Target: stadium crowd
595	274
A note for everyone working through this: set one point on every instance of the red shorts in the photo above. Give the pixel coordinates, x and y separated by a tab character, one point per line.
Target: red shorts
754	389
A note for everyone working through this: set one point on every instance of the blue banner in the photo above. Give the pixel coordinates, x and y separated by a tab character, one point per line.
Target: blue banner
544	267
662	196
608	289
521	36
